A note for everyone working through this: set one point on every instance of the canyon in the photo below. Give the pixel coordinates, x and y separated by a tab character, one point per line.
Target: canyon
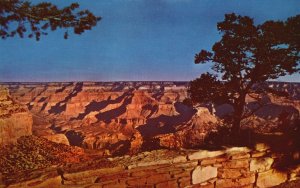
127	117
97	121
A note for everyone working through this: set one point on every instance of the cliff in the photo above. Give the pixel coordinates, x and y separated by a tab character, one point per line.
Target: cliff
15	119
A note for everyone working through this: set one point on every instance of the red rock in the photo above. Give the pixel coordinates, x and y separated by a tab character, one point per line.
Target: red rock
58	138
15	120
208	185
184	181
240	182
157	178
181	173
137	181
143	173
244	163
114	185
229	173
172	183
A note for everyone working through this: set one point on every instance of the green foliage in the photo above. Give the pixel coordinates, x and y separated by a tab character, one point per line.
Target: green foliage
247	55
27	20
206	88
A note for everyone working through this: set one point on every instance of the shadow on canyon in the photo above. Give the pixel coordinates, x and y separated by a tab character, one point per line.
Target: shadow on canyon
97	106
166	124
285	144
61	106
112	114
163	125
75	138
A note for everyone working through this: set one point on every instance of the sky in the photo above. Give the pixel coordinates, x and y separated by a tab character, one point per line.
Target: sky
135	40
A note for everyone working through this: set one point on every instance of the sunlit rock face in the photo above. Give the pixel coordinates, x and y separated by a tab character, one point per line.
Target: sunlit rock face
113	116
127	117
15	120
191	133
58	138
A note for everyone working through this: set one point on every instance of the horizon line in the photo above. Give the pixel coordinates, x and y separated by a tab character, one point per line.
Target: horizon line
73	81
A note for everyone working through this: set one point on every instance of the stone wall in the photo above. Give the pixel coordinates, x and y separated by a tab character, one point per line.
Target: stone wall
232	167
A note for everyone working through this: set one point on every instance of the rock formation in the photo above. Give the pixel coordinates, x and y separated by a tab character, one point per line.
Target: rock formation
15	120
191	133
123	117
58	138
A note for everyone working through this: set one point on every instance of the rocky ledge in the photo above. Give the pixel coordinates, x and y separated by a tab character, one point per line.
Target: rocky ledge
34	156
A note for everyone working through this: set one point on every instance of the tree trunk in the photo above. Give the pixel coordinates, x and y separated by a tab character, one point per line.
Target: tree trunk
238	113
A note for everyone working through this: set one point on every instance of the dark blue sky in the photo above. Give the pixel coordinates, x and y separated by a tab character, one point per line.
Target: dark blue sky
136	40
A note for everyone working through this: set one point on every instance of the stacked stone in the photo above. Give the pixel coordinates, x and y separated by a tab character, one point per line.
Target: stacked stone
238	167
233	167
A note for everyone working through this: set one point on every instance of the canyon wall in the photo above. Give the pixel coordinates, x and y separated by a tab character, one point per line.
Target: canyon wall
15	119
231	167
128	117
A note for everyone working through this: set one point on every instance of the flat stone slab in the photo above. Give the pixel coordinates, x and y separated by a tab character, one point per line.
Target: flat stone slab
202	154
202	174
261	164
270	178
